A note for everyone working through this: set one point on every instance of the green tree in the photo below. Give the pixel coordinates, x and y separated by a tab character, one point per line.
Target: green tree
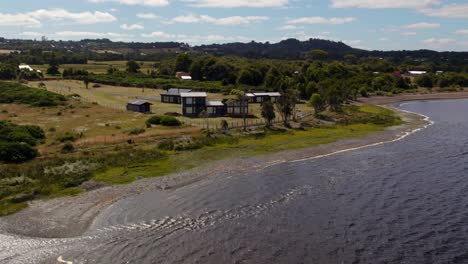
286	105
53	68
317	54
183	62
317	102
133	67
268	112
243	101
425	80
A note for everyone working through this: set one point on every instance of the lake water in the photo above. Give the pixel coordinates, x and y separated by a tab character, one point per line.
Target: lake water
403	202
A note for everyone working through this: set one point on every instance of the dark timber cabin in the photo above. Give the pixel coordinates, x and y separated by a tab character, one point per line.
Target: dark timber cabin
193	103
172	96
139	106
236	109
260	97
215	108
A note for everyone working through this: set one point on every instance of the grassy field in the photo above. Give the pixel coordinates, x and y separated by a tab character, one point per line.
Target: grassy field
180	161
116	97
98	67
96	124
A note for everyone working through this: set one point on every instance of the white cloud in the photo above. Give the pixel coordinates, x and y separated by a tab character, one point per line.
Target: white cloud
35	18
463	32
75	18
321	20
18	20
448	11
135	2
353	42
88	34
132	27
233	20
383	3
439	41
147	16
67	35
31	34
408	33
422	25
238	3
289	27
197	39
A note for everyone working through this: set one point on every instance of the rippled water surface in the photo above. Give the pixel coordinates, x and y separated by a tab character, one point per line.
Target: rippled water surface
404	202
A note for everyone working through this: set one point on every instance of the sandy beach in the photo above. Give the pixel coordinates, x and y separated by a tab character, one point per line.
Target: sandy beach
71	216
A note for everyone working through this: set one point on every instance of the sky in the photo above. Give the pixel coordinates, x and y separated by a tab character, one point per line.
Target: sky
367	24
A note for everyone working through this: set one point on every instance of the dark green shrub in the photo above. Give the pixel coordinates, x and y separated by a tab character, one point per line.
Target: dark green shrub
170	121
154	120
136	131
16	152
68	137
68	147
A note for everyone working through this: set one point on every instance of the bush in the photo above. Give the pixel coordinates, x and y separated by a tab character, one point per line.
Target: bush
68	147
68	137
17	93
163	120
166	145
16	152
154	120
170	121
136	131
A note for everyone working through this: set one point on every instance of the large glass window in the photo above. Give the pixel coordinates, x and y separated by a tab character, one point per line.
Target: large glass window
189	100
189	110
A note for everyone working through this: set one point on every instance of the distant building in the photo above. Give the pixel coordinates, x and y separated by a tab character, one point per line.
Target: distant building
25	67
260	97
417	72
439	72
139	106
236	109
183	76
193	103
172	96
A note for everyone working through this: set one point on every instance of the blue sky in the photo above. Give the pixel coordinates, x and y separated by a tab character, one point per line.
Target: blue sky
368	24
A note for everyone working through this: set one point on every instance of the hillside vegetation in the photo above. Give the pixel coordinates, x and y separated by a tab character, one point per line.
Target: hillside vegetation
17	93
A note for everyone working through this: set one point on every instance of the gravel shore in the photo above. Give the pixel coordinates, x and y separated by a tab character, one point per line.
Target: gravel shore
71	216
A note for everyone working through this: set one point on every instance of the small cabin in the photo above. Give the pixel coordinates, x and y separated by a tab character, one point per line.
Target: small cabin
260	97
183	76
139	106
172	96
215	108
193	103
236	109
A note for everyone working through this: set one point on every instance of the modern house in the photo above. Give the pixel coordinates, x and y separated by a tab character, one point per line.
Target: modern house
172	96
193	103
183	76
236	109
215	108
139	106
260	97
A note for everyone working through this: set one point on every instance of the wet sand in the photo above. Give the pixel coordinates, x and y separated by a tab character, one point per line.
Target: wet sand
71	216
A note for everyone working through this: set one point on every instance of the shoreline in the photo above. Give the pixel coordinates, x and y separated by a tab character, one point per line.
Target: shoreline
72	216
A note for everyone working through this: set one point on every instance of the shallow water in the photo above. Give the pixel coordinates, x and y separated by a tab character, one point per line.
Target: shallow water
403	202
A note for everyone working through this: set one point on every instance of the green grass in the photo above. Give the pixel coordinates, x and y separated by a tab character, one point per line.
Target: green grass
270	143
11	208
